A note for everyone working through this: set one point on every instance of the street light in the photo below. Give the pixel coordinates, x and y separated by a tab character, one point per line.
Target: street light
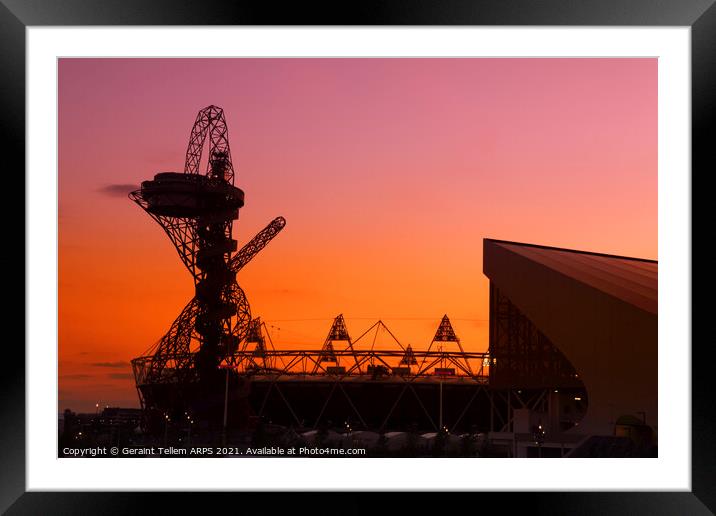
166	427
538	436
191	422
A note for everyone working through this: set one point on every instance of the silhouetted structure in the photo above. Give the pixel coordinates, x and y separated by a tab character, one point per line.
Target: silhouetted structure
571	333
196	210
562	319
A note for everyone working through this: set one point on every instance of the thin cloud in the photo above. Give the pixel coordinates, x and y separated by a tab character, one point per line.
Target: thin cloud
117	190
111	364
120	376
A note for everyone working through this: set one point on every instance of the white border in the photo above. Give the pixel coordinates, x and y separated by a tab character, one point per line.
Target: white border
670	471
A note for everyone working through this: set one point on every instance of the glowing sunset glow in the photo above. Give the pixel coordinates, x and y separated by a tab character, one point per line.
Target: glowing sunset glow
389	172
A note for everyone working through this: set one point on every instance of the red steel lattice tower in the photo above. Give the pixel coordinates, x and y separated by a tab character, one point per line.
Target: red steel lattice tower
196	210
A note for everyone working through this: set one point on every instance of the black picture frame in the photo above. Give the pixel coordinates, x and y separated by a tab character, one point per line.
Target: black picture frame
699	15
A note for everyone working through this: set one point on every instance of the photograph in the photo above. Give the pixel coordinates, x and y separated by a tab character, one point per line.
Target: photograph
357	257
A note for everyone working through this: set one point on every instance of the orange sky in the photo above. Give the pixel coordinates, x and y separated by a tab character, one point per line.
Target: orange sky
390	172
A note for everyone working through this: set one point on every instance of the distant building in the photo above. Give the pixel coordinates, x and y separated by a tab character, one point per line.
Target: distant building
130	417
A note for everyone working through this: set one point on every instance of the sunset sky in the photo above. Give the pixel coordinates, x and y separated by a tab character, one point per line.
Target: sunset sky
389	172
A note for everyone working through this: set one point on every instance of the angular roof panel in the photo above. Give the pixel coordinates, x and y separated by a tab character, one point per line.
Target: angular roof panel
632	280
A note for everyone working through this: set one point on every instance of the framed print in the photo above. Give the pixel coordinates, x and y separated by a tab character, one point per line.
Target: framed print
329	257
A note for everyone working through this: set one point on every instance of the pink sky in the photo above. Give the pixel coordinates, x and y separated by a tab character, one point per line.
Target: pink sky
390	172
